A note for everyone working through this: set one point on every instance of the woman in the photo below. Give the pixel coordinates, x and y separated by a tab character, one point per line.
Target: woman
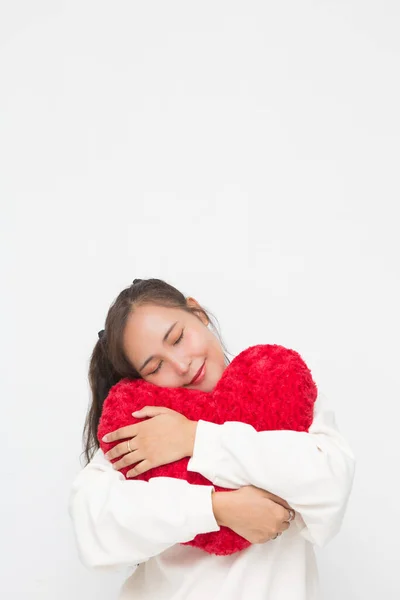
290	488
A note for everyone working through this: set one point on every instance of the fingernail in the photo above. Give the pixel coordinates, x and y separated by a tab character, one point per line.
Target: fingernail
105	438
136	413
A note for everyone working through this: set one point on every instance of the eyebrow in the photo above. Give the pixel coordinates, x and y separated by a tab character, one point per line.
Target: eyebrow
164	340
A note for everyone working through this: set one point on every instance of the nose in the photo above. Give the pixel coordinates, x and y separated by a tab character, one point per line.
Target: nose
182	366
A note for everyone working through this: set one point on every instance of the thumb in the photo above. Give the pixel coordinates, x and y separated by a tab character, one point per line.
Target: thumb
149	411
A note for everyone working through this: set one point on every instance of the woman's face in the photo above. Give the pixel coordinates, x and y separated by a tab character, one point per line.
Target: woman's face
175	360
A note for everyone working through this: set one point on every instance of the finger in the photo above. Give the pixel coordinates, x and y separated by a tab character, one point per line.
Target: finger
150	411
288	514
119	450
140	468
129	431
127	460
284	526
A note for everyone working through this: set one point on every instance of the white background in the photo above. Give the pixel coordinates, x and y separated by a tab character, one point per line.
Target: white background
246	152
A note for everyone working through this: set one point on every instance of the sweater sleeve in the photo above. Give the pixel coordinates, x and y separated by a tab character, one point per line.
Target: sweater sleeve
313	471
119	522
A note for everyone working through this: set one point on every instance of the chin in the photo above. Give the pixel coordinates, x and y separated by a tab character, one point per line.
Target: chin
208	386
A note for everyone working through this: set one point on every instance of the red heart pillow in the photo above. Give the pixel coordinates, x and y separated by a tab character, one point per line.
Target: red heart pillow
267	386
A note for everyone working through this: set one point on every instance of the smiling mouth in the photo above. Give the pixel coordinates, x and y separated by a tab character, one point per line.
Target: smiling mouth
197	374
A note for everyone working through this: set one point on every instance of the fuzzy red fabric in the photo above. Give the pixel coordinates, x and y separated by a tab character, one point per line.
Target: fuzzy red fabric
267	386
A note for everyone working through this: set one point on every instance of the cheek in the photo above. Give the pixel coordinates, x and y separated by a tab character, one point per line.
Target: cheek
197	343
217	353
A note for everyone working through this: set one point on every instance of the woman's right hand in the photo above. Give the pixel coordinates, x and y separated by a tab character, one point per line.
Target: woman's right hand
251	513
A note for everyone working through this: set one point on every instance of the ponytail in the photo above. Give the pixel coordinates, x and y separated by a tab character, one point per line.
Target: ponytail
102	376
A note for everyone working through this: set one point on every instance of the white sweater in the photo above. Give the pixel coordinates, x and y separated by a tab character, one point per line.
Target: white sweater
128	522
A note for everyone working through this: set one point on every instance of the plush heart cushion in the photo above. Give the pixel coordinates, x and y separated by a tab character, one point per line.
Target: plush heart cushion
267	386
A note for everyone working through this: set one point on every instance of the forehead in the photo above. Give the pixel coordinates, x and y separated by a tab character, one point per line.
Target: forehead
147	325
151	317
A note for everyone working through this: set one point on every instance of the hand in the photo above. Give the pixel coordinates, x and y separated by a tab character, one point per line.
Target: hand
251	513
165	437
278	500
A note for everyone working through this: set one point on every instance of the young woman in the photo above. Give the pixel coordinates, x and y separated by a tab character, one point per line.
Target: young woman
290	489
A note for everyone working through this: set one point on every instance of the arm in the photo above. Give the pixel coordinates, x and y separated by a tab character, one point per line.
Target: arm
122	522
312	471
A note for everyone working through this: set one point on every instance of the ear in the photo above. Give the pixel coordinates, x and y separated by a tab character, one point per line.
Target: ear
194	304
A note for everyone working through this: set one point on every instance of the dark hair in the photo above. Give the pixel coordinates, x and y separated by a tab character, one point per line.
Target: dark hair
108	363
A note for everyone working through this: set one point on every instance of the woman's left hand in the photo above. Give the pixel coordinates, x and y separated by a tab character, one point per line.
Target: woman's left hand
165	437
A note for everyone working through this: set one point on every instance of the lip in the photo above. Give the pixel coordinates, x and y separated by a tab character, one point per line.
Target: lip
199	375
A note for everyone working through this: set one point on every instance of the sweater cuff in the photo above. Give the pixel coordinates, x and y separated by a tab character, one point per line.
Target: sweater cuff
206	450
199	510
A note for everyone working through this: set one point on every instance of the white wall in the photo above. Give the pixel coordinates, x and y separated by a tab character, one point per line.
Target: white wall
247	152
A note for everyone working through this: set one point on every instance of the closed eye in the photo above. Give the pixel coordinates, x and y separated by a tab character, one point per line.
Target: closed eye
175	343
179	338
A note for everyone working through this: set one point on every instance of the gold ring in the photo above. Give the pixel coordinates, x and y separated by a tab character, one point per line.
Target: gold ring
129	447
